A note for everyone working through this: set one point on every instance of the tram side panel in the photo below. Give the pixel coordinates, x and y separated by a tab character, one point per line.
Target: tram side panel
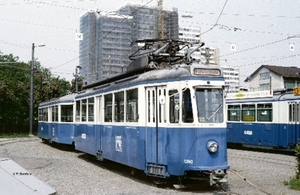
44	130
85	138
44	125
290	125
62	133
123	144
282	116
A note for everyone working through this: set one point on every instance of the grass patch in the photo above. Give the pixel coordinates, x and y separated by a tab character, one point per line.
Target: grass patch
15	135
293	184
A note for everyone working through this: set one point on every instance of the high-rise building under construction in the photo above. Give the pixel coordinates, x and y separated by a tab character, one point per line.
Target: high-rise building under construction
107	38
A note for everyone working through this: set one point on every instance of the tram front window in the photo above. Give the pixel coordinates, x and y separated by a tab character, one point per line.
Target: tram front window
210	105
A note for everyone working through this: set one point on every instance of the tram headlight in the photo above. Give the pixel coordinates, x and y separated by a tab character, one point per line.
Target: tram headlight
212	146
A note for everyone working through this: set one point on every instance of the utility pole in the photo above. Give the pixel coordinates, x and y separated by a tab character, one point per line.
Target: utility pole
32	89
76	75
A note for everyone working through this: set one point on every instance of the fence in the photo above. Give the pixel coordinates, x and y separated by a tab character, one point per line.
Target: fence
8	129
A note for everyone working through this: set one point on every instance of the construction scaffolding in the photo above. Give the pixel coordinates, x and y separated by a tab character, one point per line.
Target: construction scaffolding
107	38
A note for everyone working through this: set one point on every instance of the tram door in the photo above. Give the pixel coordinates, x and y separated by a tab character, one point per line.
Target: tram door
156	135
293	128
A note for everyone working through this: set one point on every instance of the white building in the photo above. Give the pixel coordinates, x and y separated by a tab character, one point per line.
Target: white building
190	34
232	78
274	77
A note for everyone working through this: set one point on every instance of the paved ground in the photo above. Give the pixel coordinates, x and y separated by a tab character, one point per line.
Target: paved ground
71	172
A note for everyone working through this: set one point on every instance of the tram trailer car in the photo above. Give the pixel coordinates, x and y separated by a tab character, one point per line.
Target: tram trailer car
168	121
56	120
263	119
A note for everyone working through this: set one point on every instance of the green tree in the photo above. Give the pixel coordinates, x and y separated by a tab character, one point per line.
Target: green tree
14	80
15	89
47	87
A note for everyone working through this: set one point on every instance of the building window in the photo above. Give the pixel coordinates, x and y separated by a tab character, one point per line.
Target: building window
289	85
264	75
265	86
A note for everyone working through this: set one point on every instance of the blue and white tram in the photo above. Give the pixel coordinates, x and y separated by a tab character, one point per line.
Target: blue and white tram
263	119
168	121
56	120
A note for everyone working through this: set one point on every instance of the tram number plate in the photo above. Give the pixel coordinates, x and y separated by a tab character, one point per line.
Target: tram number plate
188	161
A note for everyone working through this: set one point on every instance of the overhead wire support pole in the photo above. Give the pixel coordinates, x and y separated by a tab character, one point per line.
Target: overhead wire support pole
31	91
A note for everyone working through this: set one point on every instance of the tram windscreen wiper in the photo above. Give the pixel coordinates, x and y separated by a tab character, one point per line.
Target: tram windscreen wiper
214	112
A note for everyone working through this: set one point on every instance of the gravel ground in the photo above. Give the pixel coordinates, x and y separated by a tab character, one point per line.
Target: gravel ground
71	172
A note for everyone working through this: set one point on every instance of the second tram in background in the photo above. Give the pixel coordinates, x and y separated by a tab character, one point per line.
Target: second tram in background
264	119
56	120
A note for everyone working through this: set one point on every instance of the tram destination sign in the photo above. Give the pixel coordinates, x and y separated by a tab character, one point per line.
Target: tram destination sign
208	72
250	94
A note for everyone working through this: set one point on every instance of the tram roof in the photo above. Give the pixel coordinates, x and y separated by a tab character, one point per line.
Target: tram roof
64	99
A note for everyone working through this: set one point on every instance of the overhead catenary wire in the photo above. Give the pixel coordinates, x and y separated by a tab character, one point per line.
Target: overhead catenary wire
216	20
35	24
271	60
216	24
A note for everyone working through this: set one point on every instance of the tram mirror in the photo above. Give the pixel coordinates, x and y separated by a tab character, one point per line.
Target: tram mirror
162	99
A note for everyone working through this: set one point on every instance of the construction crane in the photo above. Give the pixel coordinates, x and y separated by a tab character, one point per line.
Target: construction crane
160	19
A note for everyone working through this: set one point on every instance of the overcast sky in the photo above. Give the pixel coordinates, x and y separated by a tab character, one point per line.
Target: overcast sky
262	31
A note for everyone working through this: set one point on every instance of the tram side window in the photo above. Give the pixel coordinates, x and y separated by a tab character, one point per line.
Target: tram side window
248	112
132	105
41	117
187	109
54	113
119	107
43	114
91	109
234	113
66	113
162	106
294	112
108	108
264	112
77	117
174	106
83	110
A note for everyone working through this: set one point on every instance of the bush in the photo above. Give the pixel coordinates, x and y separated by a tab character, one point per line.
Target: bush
298	161
294	183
